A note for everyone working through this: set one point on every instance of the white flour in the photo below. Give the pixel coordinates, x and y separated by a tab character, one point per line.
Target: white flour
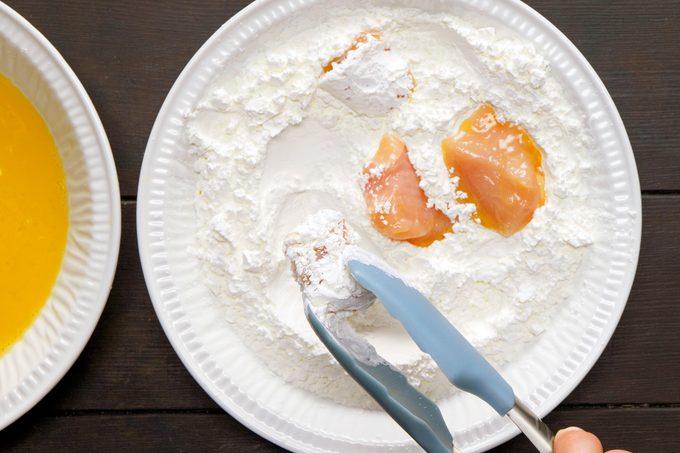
371	80
272	147
318	250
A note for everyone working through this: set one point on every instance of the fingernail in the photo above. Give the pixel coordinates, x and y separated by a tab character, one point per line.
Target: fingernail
566	430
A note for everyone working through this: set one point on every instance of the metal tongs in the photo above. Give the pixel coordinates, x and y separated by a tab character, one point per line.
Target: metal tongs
462	364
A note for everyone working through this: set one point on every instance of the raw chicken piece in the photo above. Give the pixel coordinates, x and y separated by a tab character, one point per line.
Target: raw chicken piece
397	205
499	166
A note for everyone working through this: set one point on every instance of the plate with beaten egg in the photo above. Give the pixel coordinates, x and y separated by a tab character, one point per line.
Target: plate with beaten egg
467	143
60	212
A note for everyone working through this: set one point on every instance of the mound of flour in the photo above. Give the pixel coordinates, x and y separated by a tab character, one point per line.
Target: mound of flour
273	144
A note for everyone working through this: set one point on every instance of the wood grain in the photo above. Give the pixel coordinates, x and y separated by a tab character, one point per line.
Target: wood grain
128	54
643	431
129	363
642	362
630	45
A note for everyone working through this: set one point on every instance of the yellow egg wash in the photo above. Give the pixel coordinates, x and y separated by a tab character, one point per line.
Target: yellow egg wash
33	213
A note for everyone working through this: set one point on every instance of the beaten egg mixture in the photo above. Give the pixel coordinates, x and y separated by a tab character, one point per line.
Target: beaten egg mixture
33	213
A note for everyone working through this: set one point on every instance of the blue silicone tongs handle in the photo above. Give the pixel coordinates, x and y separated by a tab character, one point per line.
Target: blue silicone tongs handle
414	412
434	334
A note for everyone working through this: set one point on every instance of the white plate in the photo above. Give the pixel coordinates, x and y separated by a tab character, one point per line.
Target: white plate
542	376
55	340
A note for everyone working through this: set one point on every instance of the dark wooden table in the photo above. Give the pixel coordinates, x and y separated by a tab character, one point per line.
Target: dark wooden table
129	392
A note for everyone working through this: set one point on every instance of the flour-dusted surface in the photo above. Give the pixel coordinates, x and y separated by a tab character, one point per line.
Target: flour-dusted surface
373	79
272	147
318	250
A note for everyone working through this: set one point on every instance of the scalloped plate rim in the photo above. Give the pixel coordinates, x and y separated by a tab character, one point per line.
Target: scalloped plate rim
266	431
58	369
